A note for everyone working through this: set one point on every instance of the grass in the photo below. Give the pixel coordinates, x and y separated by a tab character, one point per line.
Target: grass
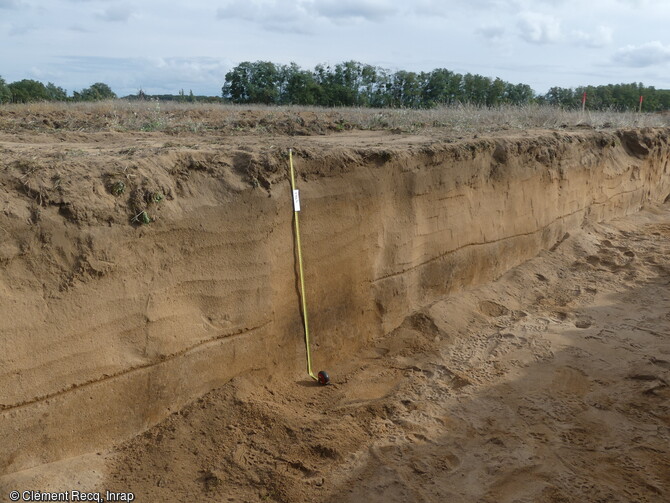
172	118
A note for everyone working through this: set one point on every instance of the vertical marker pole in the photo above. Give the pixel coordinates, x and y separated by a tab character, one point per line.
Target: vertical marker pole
584	101
303	299
640	109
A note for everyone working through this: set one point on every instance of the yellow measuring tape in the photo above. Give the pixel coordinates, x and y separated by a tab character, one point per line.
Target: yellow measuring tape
296	210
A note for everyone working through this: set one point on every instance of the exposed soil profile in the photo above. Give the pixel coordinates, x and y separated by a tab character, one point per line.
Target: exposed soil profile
494	313
560	394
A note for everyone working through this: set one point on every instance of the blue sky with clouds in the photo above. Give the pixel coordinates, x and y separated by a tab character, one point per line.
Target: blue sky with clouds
163	47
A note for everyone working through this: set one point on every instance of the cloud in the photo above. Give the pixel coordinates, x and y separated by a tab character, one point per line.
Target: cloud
446	9
299	16
116	14
36	73
77	28
343	10
432	8
493	32
649	54
9	4
248	10
274	15
600	37
633	3
18	30
536	28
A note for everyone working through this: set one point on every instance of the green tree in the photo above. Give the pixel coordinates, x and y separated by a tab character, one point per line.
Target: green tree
518	94
97	92
379	91
5	92
346	84
562	97
441	87
370	80
610	96
475	89
26	91
336	91
299	86
495	94
405	89
56	93
252	83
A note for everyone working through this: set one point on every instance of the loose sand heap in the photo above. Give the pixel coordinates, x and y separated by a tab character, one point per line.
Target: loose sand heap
494	313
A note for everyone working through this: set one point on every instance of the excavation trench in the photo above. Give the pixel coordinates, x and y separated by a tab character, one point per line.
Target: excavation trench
108	325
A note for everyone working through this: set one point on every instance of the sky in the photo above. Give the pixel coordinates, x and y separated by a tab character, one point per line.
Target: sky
162	47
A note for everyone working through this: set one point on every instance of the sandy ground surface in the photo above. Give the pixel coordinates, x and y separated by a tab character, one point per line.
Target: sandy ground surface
548	385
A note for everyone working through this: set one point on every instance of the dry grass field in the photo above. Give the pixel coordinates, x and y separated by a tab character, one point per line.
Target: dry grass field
174	118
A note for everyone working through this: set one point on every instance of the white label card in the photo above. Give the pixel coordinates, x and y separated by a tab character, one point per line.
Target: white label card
296	200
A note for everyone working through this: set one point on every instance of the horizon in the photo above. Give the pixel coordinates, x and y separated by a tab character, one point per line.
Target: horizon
163	49
70	92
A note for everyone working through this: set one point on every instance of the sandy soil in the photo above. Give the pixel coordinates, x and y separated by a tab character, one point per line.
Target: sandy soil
549	385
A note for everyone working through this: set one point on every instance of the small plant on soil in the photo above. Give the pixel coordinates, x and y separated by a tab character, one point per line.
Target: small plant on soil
153	197
141	218
118	188
158	119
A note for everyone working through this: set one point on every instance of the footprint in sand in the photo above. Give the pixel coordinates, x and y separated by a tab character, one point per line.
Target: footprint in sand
492	309
583	322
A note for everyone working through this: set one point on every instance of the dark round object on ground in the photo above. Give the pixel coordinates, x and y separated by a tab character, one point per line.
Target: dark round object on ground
324	378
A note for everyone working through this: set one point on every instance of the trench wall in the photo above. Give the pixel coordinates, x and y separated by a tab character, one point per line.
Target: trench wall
158	315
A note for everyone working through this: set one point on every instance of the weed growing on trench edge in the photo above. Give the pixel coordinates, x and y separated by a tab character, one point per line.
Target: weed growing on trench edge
157	119
142	218
118	188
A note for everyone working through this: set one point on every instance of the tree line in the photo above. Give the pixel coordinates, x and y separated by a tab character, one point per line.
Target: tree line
27	90
611	96
360	85
356	84
181	97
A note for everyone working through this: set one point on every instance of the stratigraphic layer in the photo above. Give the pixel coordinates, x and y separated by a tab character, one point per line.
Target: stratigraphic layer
108	328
